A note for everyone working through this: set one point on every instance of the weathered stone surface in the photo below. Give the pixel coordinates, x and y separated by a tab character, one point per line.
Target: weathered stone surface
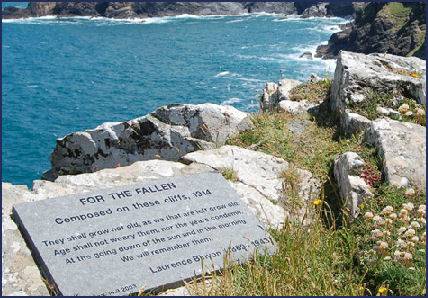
274	93
20	275
259	171
16	280
351	123
168	133
397	28
162	228
317	10
357	74
353	190
296	107
402	148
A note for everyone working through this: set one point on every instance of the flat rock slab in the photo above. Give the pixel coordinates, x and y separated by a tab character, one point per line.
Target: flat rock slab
402	148
148	235
358	74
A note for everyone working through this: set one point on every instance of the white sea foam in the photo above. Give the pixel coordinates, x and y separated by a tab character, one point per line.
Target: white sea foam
232	101
222	74
235	21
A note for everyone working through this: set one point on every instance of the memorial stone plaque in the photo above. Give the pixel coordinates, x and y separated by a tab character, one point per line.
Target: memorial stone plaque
150	235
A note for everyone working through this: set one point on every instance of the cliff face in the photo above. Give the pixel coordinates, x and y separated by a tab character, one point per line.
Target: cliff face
395	28
150	9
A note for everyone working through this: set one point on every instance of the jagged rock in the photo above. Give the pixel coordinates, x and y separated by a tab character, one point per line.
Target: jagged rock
402	148
306	55
353	190
296	107
395	28
387	112
287	8
358	75
259	171
168	133
352	123
274	93
155	9
317	10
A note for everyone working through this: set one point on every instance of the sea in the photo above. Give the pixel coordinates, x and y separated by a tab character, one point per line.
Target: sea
70	74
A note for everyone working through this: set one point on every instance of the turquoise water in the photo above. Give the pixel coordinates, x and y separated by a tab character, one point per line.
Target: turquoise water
61	76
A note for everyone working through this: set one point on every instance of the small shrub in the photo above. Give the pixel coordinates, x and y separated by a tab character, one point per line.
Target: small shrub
311	91
229	174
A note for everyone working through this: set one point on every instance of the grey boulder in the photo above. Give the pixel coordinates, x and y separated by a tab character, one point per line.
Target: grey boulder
357	75
274	93
168	133
353	189
402	149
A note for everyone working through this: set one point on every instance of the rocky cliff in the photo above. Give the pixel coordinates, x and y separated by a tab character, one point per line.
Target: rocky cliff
396	28
151	9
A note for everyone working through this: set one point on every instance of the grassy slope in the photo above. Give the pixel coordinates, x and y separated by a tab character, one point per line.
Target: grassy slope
321	259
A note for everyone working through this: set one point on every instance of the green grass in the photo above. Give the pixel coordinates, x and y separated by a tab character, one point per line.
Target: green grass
327	256
397	13
229	174
312	92
367	108
314	149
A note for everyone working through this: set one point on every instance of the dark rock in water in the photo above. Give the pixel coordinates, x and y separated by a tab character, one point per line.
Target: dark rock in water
38	9
16	12
306	55
287	8
317	10
395	28
70	9
322	9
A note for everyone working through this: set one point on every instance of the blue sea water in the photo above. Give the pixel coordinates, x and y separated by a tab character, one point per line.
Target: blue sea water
60	76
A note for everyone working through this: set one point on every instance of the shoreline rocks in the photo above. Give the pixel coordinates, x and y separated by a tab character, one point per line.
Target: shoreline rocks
157	9
396	28
167	133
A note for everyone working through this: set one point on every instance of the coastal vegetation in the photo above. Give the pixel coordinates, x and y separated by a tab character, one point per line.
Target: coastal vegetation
331	256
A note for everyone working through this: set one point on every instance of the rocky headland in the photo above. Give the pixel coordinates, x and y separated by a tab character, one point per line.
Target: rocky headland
347	146
374	104
397	28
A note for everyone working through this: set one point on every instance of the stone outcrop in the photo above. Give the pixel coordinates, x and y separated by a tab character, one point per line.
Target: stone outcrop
353	189
258	185
156	9
317	10
297	107
358	76
352	123
274	93
168	133
287	8
402	148
259	176
396	28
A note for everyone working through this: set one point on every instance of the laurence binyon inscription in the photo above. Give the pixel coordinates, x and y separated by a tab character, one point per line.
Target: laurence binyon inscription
145	236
